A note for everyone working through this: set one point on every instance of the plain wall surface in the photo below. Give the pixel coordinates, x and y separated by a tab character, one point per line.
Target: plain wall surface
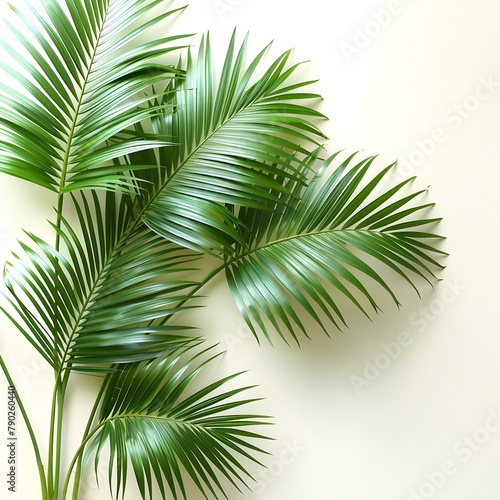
416	81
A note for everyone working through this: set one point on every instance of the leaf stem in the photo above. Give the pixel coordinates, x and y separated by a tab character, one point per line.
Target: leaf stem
41	472
78	459
199	286
52	488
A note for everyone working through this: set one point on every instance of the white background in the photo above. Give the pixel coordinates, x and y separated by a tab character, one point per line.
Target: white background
413	80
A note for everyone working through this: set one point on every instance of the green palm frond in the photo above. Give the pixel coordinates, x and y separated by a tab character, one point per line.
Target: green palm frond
79	82
235	134
153	419
105	298
329	238
162	162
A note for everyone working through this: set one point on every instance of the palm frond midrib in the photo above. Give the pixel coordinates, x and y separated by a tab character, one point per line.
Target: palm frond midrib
259	246
76	114
211	425
238	257
211	133
92	294
84	309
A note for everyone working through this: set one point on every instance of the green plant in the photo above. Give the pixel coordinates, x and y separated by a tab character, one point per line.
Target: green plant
155	165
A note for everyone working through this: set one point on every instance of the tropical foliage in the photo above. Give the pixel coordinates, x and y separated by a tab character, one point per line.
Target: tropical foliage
156	162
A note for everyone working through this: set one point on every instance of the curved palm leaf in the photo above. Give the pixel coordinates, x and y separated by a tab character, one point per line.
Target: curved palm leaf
326	237
236	181
234	136
151	417
78	84
103	300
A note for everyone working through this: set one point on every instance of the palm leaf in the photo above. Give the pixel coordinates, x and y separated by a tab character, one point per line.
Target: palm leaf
206	165
79	82
105	298
234	136
328	238
153	419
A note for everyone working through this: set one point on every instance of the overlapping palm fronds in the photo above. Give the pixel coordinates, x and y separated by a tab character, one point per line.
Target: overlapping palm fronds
80	80
236	134
156	165
152	418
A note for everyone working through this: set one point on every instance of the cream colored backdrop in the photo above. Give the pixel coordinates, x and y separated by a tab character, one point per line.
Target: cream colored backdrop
406	407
